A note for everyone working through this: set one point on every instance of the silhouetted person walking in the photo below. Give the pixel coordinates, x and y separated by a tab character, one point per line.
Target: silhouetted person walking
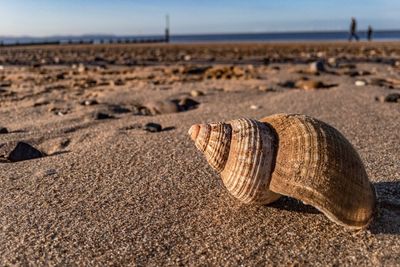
353	29
369	33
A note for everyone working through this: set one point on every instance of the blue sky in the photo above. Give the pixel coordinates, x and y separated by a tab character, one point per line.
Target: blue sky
131	17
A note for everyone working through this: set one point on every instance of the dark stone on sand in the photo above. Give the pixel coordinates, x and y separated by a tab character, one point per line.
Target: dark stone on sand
317	66
90	83
287	84
117	82
393	98
36	65
3	130
196	70
102	116
60	76
187	104
351	73
24	151
153	127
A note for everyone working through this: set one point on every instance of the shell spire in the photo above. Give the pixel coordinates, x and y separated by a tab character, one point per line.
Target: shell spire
242	152
293	155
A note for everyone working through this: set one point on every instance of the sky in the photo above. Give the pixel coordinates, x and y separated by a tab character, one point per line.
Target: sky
147	17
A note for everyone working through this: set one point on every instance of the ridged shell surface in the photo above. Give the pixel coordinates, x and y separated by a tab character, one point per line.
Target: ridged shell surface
292	155
242	151
317	165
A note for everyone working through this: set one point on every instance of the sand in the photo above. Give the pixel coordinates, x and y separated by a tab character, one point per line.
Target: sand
110	193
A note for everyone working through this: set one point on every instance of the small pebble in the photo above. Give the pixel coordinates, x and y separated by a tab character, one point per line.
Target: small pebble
360	83
24	151
332	61
117	82
187	104
3	130
393	98
317	66
195	93
152	127
287	84
254	107
60	76
89	102
102	116
81	68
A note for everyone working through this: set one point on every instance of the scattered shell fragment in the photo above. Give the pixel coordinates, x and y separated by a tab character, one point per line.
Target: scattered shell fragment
292	155
254	107
360	83
196	93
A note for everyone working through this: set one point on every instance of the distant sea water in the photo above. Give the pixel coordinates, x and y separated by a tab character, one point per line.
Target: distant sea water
284	37
392	35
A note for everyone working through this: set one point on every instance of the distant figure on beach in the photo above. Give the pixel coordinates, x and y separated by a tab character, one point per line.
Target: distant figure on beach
369	33
353	29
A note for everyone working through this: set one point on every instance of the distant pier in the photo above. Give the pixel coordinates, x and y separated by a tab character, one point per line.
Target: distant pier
94	41
89	42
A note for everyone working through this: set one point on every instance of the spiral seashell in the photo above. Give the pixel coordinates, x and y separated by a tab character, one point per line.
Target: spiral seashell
292	155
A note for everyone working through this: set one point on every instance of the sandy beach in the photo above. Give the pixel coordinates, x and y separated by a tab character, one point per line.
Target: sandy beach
109	189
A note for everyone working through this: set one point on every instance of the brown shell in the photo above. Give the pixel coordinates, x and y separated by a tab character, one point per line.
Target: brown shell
317	165
292	155
242	152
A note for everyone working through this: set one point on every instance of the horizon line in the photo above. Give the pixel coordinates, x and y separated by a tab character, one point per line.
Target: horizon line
191	34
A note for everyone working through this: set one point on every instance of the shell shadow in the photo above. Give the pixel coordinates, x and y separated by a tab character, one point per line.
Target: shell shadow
387	217
291	204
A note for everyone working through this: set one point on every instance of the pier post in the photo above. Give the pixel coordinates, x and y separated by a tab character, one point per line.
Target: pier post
167	28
